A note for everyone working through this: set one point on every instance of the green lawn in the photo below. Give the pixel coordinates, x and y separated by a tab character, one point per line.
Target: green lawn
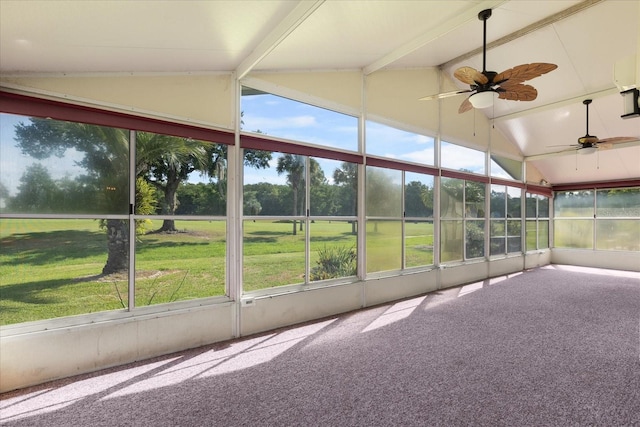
52	267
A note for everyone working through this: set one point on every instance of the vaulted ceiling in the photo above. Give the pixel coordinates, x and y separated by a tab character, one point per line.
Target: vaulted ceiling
586	39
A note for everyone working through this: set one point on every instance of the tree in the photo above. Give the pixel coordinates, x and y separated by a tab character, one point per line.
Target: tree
167	161
347	178
293	165
36	192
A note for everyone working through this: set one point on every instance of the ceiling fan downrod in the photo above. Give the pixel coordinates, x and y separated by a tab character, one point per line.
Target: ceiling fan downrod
483	16
587	102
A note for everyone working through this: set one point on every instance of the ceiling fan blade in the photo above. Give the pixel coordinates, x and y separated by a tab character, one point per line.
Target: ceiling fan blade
445	95
524	72
552	154
619	142
617	139
465	106
518	92
470	76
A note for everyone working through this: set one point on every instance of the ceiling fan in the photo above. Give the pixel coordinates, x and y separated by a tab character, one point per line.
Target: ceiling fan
485	85
588	144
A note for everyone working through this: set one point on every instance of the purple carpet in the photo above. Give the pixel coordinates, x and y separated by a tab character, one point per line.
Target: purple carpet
555	346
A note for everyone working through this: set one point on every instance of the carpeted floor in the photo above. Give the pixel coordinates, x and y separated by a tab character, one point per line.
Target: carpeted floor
555	346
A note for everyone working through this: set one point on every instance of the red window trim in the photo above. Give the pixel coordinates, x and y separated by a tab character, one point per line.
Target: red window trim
539	190
598	185
464	175
390	164
508	183
39	107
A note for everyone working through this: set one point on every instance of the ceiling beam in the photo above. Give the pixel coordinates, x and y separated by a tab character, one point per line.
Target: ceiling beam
431	35
524	31
297	16
557	104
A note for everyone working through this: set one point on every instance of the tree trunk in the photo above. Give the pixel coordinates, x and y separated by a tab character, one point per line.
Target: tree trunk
170	206
118	246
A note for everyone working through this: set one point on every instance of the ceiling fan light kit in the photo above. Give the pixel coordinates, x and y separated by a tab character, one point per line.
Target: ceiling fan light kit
483	99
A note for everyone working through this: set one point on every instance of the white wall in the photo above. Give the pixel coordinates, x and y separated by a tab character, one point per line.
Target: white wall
613	260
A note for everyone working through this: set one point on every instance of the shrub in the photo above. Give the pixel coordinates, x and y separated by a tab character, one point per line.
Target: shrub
335	261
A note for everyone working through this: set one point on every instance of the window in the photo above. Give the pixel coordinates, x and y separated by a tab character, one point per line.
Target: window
502	167
618	219
506	220
298	209
384	219
457	157
280	117
180	218
418	219
393	143
537	222
573	219
68	216
462	211
602	219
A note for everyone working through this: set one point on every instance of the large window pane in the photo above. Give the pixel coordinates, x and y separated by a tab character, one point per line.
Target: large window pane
334	188
386	141
502	167
51	166
498	237
55	267
531	233
576	233
574	204
543	207
285	118
498	201
273	255
333	250
384	245
278	189
418	195
474	239
620	203
179	176
514	202
418	243
531	206
543	234
451	241
384	192
187	264
474	199
461	158
618	234
514	239
451	198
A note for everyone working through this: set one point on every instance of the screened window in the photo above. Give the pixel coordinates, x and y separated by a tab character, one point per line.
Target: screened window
607	219
506	220
311	230
418	221
294	120
503	167
537	222
462	211
457	157
178	257
51	166
390	142
384	219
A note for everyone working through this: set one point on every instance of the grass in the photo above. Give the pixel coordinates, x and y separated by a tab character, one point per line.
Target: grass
52	267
